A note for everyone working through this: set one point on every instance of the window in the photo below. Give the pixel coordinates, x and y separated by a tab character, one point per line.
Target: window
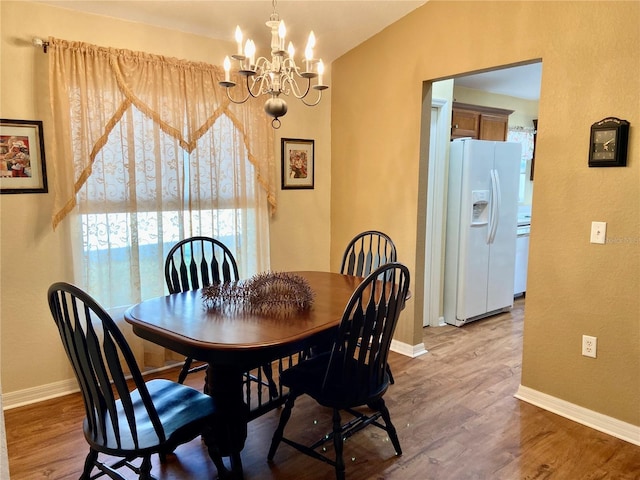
146	192
524	136
148	150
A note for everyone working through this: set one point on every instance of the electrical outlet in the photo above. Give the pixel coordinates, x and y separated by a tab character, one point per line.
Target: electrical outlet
589	345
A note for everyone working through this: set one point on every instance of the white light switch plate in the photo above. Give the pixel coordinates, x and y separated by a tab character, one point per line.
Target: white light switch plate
598	232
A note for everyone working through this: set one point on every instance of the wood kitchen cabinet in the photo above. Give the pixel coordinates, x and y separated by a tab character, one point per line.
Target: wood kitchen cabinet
482	123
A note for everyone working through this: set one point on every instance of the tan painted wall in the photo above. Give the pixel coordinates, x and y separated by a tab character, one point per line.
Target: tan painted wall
32	256
591	70
300	230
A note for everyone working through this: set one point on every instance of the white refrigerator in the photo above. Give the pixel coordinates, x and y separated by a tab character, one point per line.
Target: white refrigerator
482	217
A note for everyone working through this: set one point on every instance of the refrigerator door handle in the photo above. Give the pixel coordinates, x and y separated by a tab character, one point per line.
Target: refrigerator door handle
495	206
498	206
491	207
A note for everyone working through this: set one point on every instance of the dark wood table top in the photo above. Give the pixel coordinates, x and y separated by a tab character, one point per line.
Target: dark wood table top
182	322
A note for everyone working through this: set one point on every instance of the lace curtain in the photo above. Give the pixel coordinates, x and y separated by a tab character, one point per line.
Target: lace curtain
524	136
149	150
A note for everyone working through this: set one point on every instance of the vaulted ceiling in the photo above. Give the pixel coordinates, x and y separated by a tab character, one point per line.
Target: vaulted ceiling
339	26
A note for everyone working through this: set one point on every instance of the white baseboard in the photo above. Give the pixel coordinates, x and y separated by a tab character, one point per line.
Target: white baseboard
408	350
603	423
39	394
28	396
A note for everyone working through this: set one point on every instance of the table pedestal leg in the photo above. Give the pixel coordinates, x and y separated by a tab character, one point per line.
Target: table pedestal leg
229	427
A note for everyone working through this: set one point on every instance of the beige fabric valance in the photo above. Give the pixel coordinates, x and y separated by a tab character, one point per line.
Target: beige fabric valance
95	86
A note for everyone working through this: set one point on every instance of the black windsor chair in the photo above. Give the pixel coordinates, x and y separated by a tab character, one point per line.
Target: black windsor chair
155	417
365	252
354	372
198	262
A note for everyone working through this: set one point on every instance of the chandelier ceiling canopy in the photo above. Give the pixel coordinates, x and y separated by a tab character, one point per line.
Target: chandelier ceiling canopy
278	75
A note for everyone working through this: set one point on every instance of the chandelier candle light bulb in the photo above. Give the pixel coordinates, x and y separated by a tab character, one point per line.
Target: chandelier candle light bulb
250	53
227	68
320	71
308	52
282	32
277	76
239	40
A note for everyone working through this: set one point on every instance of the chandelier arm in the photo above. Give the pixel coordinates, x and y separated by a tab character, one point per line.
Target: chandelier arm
302	99
296	91
238	102
287	85
260	81
249	92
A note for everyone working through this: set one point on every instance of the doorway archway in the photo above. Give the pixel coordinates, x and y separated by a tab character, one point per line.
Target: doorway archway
436	114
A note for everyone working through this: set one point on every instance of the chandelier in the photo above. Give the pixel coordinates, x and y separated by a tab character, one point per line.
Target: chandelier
278	75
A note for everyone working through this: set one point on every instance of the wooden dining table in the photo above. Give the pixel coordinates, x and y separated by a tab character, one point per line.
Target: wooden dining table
234	341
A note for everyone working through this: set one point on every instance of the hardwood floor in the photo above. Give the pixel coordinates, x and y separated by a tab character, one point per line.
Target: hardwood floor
454	410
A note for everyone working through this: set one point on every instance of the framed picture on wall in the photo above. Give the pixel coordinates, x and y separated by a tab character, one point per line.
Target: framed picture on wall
22	162
297	163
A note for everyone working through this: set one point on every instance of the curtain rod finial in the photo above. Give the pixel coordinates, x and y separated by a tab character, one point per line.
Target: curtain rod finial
38	42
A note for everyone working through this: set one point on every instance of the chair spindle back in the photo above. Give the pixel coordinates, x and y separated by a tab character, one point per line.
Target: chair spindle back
98	351
360	352
366	252
198	262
